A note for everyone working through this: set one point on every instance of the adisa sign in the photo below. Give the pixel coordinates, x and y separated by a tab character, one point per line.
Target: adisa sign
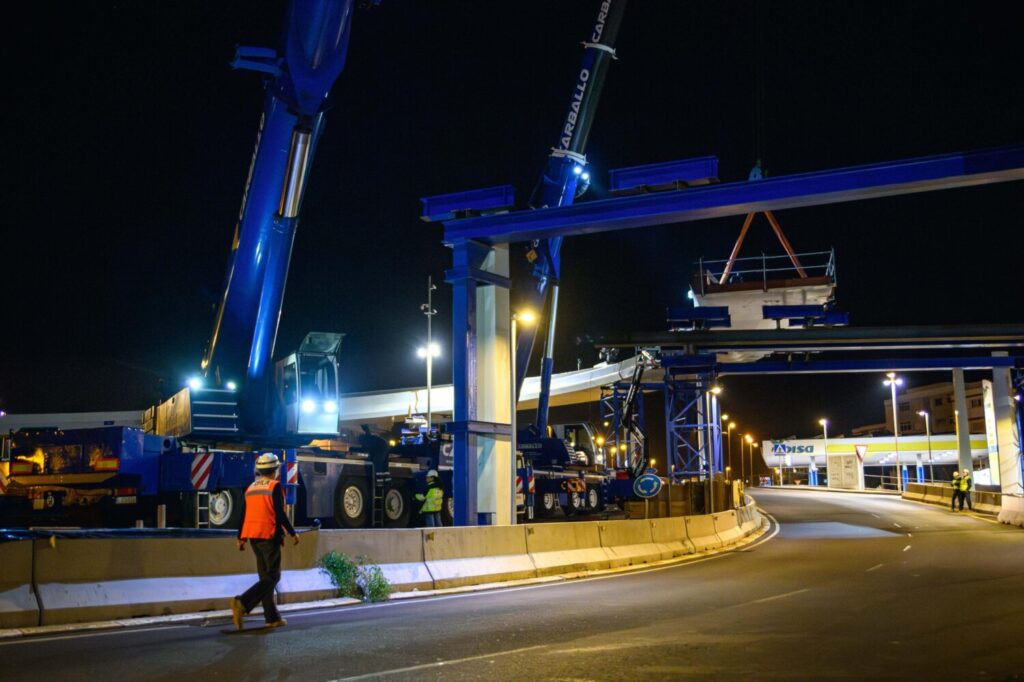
781	447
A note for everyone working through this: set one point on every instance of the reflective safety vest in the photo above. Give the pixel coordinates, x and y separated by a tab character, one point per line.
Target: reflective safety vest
432	500
964	483
260	521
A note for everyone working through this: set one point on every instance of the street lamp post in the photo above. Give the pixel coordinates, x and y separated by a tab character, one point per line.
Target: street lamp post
824	428
752	446
928	430
728	438
526	317
892	381
750	449
432	350
732	425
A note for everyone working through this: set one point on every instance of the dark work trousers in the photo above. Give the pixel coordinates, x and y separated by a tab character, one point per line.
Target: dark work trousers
966	495
268	566
432	519
956	497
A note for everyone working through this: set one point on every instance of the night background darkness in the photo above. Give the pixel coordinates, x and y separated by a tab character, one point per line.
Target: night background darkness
130	141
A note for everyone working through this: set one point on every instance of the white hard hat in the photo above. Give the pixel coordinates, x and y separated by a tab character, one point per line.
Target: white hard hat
432	473
267	461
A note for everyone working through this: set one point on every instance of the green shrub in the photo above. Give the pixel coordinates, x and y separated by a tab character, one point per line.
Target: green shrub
358	579
375	585
343	572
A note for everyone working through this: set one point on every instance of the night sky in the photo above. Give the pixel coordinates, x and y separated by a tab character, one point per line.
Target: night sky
129	139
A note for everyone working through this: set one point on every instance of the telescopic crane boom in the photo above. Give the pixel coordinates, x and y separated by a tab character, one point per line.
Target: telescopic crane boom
565	177
298	81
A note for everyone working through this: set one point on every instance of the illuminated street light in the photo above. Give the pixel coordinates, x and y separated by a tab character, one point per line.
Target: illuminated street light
435	351
716	390
195	383
892	381
231	386
725	417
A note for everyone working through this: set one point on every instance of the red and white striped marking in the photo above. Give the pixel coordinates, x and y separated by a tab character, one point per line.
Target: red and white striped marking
532	488
519	484
202	463
293	473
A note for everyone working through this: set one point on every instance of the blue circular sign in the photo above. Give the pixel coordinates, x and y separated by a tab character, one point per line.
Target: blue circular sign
647	485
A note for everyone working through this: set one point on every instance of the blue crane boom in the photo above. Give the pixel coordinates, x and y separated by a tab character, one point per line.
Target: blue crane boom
298	81
564	178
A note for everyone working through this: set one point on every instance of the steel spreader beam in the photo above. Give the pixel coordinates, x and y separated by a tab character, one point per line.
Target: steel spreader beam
853	183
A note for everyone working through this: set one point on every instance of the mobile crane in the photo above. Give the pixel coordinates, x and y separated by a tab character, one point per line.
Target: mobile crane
197	450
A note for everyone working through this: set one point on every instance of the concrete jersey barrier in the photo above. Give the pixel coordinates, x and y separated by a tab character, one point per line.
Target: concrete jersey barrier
630	542
86	579
991	503
566	547
701	531
18	605
99	579
1012	511
670	535
726	527
398	552
468	556
915	491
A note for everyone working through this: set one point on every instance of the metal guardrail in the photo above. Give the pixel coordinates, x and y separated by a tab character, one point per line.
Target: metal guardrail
754	268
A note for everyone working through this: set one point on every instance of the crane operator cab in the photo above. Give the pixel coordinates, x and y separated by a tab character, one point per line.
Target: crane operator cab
307	386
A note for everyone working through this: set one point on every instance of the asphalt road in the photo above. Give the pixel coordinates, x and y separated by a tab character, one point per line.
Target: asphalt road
852	586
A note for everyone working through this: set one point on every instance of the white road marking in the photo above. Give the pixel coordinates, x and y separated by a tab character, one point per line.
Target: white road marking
876	515
780	596
438	664
114	631
906	548
897	525
910	535
874	567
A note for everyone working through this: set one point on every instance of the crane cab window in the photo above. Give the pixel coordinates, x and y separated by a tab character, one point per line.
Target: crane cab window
318	379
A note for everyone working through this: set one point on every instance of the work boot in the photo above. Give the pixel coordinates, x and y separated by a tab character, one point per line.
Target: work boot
280	622
237	612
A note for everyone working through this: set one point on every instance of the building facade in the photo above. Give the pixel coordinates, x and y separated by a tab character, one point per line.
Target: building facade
937	400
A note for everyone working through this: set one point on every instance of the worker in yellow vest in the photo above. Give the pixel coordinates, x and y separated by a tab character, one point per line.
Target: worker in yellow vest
264	526
956	492
965	489
432	501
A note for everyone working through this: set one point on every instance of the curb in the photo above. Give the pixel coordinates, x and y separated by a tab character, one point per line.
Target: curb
223	616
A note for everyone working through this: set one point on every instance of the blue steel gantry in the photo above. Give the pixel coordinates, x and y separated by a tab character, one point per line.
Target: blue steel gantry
480	241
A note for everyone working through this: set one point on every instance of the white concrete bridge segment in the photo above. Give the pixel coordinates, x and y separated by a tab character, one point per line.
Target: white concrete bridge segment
567	388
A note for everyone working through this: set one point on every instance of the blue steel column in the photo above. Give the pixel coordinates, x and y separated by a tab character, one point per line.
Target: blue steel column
466	256
716	437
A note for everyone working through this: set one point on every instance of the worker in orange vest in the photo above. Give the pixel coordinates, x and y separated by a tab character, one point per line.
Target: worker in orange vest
264	526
